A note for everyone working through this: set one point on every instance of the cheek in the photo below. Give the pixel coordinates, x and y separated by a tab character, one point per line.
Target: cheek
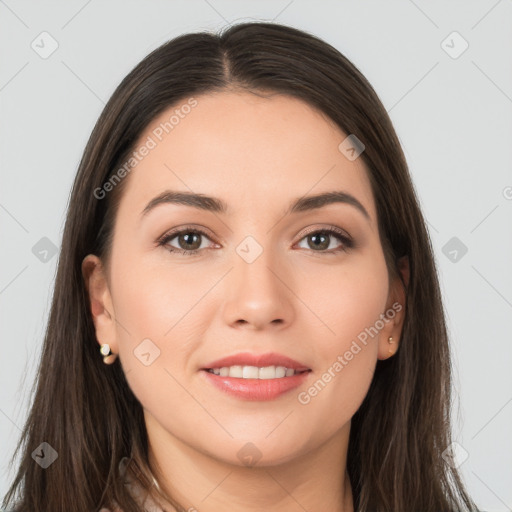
152	294
346	300
349	305
159	311
154	308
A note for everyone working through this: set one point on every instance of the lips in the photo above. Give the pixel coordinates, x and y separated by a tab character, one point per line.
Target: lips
276	375
254	389
258	360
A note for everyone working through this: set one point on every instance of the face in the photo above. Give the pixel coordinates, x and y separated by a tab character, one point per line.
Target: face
188	286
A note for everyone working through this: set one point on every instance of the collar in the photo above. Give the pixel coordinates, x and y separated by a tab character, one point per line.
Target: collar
141	496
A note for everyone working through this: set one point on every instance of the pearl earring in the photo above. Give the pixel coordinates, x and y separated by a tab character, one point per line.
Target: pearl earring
390	341
108	356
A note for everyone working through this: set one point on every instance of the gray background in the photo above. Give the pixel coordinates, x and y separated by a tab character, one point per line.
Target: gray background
452	113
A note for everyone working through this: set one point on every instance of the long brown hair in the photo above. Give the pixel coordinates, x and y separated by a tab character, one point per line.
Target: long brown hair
85	409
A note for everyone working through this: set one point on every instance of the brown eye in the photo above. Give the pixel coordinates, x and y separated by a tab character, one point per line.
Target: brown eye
321	240
185	241
189	240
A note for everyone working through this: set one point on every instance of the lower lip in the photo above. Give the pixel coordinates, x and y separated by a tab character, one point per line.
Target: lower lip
256	389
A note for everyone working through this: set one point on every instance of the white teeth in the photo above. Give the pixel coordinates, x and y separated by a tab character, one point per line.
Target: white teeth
250	372
280	371
236	371
253	372
268	372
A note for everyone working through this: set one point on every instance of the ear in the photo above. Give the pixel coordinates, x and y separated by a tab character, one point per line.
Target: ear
102	308
395	311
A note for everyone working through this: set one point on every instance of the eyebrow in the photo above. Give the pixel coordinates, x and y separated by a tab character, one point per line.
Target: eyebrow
216	205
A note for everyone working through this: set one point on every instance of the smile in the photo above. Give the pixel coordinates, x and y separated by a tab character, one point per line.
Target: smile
270	384
253	372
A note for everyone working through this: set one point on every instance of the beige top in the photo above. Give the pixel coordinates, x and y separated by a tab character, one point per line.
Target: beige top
146	502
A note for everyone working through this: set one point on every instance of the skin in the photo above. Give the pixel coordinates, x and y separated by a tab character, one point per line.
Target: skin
256	154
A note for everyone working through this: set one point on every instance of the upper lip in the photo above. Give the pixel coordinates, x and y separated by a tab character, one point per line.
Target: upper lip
258	360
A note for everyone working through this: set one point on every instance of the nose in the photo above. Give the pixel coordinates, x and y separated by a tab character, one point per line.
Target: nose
259	294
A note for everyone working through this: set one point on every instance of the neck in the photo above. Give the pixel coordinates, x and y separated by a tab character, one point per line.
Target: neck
316	480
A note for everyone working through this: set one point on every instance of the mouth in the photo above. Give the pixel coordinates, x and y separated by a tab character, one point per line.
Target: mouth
255	377
256	366
254	372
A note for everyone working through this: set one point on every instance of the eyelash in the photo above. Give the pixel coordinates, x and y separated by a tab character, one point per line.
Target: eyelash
347	243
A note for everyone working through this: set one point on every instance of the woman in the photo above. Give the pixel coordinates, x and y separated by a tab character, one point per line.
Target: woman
245	250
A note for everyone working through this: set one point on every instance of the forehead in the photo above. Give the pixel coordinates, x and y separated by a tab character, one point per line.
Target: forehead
247	150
